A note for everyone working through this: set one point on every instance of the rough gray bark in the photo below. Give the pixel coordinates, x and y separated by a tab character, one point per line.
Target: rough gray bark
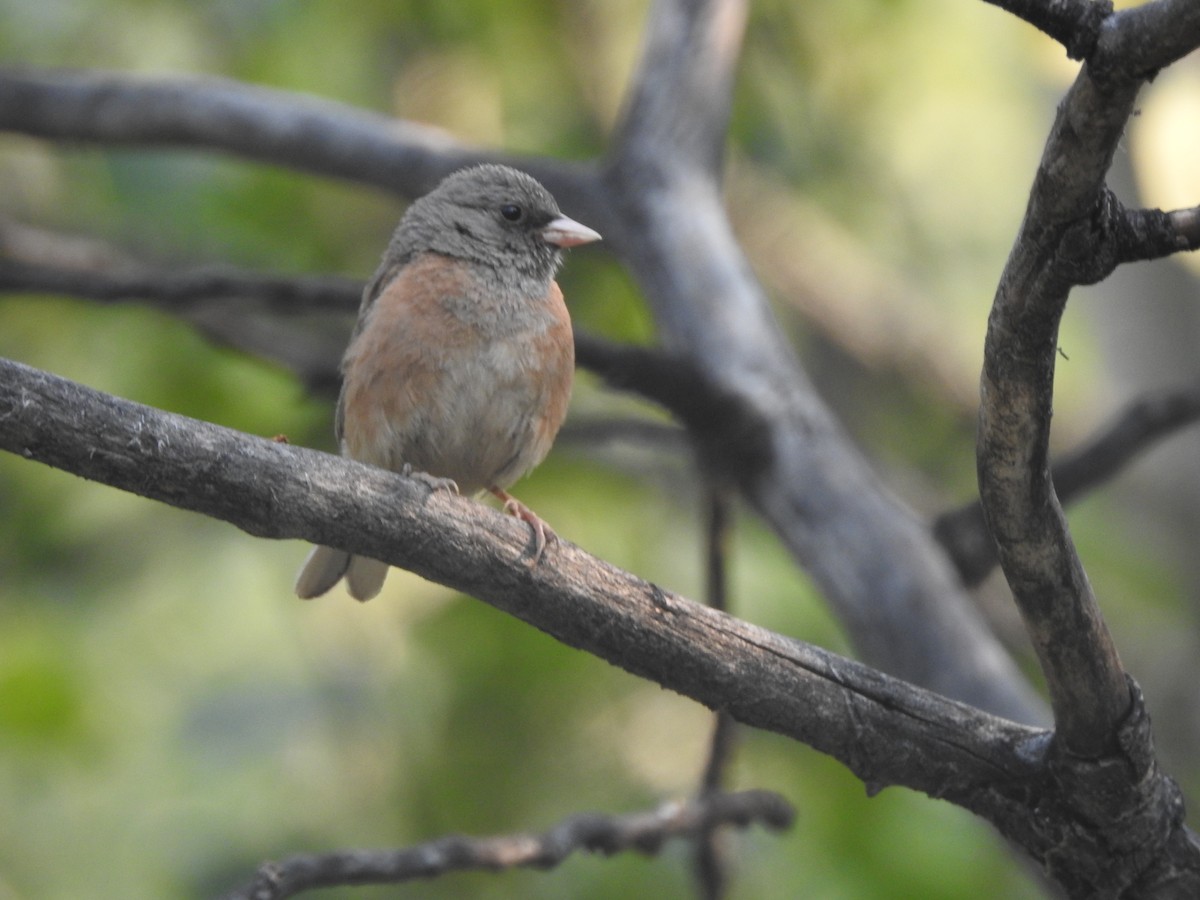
888	731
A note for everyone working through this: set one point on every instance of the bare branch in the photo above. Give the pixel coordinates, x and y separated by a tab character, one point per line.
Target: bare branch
258	123
883	728
594	832
682	92
889	583
711	860
230	306
1073	233
1145	422
731	437
1153	234
278	127
1113	821
181	290
1136	42
1117	235
1073	23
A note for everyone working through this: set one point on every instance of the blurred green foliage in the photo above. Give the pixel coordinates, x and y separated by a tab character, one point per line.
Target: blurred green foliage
169	714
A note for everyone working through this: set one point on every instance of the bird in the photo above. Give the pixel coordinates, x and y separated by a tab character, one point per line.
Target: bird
460	365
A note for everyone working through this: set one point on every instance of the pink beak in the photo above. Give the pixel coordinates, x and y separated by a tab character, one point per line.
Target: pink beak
564	232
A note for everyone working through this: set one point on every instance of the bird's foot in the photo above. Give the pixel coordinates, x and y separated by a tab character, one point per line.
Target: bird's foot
542	533
433	482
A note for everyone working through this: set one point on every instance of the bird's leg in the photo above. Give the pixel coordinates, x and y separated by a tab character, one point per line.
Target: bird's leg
433	482
541	531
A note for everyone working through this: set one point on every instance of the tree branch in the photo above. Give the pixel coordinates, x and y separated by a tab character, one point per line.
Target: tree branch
1136	42
888	582
711	860
681	95
1118	816
885	729
644	832
1054	251
1073	23
1153	234
181	290
306	133
1074	232
1145	422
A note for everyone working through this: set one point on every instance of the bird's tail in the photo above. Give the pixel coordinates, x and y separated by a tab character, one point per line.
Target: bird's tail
326	566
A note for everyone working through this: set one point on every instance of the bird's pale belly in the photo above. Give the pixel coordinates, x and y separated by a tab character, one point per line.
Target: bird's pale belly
478	424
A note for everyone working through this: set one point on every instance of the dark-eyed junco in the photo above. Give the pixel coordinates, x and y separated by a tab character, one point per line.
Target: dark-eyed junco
461	363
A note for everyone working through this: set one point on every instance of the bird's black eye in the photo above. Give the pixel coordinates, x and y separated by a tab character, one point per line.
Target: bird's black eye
512	212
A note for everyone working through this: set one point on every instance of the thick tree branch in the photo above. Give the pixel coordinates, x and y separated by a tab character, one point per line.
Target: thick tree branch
1053	251
305	133
884	729
1118	816
874	561
1074	232
681	96
594	832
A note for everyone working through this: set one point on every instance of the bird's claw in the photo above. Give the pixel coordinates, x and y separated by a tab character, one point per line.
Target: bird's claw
433	482
542	533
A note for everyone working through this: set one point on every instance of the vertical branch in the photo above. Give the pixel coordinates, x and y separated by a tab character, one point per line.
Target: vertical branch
712	875
889	584
1055	250
683	91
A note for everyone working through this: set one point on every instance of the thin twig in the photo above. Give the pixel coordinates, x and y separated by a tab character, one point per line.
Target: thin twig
593	832
712	857
184	289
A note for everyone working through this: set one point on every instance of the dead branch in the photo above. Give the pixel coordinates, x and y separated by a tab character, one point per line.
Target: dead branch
1073	23
1074	232
593	832
1138	428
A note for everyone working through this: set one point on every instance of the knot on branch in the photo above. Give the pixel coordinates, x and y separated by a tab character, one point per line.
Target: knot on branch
1092	247
1115	814
1083	34
1110	235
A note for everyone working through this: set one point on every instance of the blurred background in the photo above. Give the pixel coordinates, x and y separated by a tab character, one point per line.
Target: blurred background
170	715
